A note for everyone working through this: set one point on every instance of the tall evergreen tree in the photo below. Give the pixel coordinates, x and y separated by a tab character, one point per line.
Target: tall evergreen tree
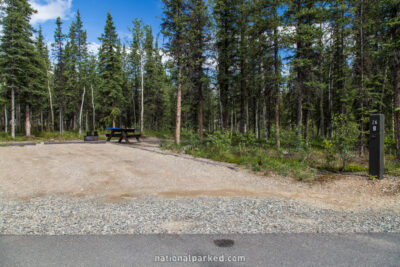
138	43
93	81
44	53
394	48
199	36
150	79
303	15
175	29
19	61
80	55
42	77
134	65
225	15
110	90
59	72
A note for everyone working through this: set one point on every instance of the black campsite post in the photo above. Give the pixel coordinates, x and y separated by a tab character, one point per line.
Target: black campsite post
376	145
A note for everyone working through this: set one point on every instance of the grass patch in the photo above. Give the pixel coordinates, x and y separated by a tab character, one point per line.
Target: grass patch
349	168
255	158
49	136
304	163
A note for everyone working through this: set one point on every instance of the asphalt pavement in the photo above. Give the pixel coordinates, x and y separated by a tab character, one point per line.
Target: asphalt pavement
380	249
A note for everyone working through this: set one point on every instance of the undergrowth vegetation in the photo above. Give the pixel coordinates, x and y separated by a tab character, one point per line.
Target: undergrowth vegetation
298	158
47	136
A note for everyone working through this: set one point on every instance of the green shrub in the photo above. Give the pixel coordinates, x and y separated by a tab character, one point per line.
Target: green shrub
344	138
355	168
291	140
390	144
330	152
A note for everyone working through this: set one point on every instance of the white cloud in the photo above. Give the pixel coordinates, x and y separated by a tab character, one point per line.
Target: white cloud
50	9
165	57
93	48
287	30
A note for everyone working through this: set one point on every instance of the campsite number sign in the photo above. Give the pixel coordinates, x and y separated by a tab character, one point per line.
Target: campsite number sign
376	145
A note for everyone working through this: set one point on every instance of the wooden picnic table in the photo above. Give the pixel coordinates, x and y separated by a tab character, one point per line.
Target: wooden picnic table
123	134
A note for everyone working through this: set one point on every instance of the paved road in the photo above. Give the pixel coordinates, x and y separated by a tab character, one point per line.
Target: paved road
258	250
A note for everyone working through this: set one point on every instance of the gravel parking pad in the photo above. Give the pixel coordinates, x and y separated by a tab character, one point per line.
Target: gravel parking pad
109	189
55	215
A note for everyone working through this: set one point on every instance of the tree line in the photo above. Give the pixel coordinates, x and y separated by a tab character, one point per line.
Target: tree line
65	87
264	67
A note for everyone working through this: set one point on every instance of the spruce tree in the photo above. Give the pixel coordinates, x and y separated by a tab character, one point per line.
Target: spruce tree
77	69
134	65
60	79
42	76
199	36
303	15
225	15
163	86
138	43
126	92
19	61
93	82
44	54
393	46
175	29
110	90
150	80
72	83
365	31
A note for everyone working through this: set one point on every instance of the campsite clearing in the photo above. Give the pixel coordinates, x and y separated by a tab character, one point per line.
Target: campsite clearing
70	186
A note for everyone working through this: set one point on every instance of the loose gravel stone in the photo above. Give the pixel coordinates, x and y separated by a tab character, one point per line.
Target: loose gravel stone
60	215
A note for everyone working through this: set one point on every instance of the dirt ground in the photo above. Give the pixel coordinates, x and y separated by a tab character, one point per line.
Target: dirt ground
116	172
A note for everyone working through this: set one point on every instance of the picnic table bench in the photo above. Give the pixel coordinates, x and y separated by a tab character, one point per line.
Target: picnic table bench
123	134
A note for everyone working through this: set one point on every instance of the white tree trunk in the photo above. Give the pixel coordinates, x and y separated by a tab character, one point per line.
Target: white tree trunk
220	112
178	108
61	121
94	110
5	119
12	112
246	126
86	122
27	121
80	111
41	120
51	103
256	120
231	123
142	98
134	107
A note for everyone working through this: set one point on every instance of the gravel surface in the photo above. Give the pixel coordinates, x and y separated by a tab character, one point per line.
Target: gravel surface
58	215
110	189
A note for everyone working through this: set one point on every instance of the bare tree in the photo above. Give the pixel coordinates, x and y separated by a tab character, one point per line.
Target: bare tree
142	91
12	111
51	102
5	119
94	110
81	109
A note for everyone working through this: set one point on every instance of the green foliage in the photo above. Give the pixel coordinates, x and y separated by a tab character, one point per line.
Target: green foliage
20	63
330	152
292	141
390	144
59	79
344	138
239	150
110	73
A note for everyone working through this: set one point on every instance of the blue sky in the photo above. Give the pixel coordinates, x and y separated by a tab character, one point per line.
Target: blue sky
93	13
